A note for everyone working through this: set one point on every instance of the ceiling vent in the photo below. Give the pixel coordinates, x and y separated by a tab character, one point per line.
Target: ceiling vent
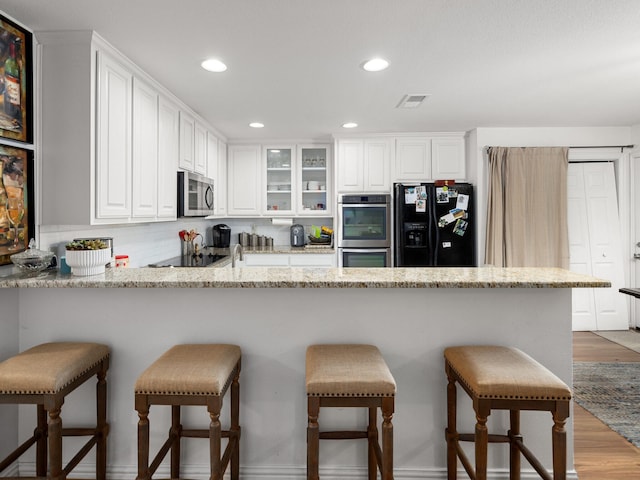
412	101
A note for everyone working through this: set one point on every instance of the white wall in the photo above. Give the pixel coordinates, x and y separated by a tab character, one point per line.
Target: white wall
9	342
533	137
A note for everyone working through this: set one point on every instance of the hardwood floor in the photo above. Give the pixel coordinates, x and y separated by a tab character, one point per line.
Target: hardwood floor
600	453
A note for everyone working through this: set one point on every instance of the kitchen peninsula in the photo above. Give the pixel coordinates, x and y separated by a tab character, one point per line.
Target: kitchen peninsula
273	314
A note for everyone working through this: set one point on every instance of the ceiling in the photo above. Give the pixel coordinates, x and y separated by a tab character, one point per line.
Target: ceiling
294	65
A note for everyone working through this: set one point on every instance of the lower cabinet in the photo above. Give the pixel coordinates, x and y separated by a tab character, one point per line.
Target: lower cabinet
287	260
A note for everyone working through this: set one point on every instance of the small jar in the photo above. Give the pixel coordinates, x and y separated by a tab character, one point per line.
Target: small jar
122	261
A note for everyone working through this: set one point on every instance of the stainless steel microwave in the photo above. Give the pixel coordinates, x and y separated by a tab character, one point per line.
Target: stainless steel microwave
195	195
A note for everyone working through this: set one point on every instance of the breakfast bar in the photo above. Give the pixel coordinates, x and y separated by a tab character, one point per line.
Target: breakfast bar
410	314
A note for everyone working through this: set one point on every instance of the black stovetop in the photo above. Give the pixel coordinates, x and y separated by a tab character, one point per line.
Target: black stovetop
194	260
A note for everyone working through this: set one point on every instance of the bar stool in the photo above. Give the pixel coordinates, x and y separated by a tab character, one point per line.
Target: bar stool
197	374
350	376
507	379
43	376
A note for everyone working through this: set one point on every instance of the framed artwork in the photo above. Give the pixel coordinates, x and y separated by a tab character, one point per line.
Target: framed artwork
16	201
16	54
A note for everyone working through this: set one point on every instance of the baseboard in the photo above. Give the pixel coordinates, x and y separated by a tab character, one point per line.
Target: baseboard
285	472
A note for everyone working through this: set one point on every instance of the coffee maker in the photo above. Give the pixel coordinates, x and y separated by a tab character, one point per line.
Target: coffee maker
297	235
221	235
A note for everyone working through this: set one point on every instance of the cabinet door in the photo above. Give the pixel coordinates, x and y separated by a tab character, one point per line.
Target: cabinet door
220	187
187	142
377	165
113	159
145	150
278	178
314	180
243	170
448	159
413	159
168	155
200	149
350	164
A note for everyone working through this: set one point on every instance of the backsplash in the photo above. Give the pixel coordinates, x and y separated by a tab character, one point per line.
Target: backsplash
153	242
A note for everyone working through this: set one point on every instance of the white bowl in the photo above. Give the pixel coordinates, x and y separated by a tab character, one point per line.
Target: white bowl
88	262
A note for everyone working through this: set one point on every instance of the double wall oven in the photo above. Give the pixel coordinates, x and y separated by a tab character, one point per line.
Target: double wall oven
364	230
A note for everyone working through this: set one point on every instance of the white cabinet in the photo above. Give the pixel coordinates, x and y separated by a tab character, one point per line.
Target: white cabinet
187	145
413	159
113	153
145	150
430	158
319	260
377	165
313	186
350	163
110	150
278	180
220	187
364	165
200	149
448	159
168	155
244	180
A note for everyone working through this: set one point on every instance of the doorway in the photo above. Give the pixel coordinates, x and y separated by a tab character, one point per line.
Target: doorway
595	246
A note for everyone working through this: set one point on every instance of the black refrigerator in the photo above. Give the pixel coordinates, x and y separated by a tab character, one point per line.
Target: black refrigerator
434	225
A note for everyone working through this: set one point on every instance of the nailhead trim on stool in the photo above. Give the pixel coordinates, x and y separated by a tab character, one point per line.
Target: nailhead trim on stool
195	374
503	378
350	375
43	376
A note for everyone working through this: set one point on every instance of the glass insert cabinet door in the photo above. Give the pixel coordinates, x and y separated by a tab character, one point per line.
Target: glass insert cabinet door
314	175
279	179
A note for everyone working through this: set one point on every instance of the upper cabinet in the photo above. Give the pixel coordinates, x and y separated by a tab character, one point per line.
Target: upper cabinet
313	186
114	139
364	165
278	180
244	180
114	134
430	158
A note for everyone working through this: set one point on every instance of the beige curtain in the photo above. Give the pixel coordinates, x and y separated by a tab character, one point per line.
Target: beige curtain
527	207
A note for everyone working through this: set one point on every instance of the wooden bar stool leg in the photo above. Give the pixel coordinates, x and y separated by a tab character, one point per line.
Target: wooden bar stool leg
387	438
215	434
372	436
143	441
313	438
451	432
41	443
55	445
481	441
176	431
103	427
235	427
514	451
559	441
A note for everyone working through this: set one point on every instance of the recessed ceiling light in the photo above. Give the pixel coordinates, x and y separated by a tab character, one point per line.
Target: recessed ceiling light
375	65
213	65
256	125
349	125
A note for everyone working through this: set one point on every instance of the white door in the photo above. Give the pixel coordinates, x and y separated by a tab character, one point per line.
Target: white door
594	238
635	235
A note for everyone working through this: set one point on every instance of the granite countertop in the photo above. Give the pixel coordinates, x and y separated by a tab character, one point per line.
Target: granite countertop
306	277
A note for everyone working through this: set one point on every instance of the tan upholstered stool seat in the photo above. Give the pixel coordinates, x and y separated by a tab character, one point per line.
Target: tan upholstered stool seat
348	371
49	367
504	372
350	375
503	378
191	375
198	369
43	376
